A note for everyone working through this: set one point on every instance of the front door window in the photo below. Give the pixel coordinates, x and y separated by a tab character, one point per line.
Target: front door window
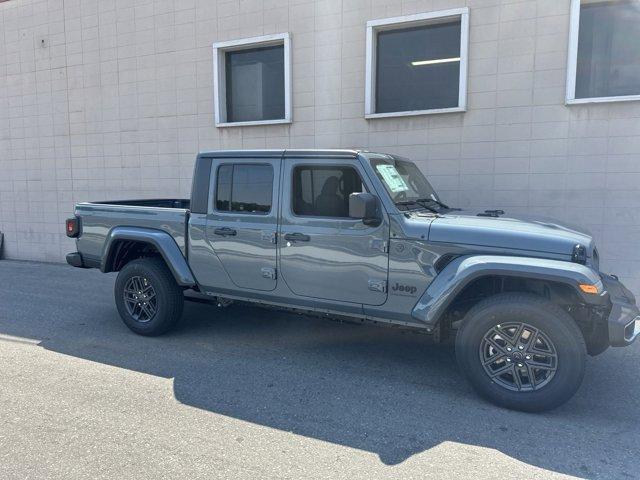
324	191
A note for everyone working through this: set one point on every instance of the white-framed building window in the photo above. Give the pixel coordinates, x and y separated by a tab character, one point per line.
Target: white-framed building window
417	64
252	81
604	51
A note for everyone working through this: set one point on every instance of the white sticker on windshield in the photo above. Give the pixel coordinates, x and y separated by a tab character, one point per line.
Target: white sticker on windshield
392	178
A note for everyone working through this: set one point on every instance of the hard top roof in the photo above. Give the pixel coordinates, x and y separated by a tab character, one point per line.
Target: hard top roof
327	153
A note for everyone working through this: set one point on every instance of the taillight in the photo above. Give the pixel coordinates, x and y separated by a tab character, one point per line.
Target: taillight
73	227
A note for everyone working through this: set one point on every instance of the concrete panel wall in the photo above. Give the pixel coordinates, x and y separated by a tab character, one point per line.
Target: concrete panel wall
112	98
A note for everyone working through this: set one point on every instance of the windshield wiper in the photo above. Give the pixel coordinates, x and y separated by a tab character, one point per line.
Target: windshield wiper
437	202
433	200
406	203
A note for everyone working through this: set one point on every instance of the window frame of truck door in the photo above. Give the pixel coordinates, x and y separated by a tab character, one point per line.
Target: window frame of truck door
321	217
356	162
245	158
214	199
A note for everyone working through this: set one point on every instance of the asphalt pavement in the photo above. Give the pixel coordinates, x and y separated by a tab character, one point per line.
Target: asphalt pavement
244	392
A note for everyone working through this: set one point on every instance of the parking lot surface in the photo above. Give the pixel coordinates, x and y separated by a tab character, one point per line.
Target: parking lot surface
246	392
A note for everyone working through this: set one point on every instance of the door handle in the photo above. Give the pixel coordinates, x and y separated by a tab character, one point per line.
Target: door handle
296	237
225	231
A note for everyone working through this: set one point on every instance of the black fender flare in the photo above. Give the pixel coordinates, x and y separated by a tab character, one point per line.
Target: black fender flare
162	242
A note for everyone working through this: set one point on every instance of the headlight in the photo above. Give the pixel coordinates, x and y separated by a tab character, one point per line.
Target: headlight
579	254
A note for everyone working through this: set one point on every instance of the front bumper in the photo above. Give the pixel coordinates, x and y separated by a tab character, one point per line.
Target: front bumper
624	317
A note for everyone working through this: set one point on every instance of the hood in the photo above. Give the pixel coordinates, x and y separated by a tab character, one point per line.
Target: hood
519	232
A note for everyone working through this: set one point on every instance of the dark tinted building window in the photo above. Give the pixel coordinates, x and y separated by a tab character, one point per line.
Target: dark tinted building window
244	188
418	68
608	49
255	84
324	191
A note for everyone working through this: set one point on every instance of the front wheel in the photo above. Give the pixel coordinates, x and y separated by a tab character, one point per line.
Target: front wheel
521	352
149	300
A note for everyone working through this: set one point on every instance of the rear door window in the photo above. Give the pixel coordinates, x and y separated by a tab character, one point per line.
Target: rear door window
244	188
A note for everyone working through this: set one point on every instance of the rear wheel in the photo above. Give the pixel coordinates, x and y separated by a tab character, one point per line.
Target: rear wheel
521	352
149	300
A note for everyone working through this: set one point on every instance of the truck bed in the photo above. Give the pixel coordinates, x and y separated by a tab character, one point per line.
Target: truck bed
98	218
153	202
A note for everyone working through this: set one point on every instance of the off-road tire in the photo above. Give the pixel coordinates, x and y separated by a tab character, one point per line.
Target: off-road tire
169	296
558	326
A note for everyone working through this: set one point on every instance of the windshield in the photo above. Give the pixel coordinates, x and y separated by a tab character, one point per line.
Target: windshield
403	180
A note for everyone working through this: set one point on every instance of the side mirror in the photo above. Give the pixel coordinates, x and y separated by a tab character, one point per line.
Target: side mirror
364	206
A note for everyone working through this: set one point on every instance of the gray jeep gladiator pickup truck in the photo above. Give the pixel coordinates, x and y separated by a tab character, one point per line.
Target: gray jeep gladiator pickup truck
361	235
